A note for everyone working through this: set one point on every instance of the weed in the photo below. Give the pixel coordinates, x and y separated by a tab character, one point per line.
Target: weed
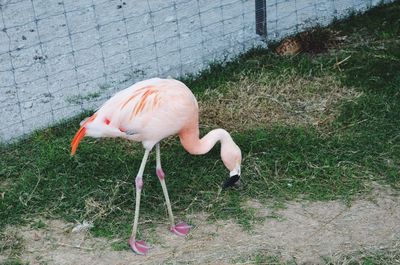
39	224
79	99
13	261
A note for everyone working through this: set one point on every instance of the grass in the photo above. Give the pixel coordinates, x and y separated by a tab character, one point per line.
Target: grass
332	153
11	243
13	261
262	259
367	257
385	256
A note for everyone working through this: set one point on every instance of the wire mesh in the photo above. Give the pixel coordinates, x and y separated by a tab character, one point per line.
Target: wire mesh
58	58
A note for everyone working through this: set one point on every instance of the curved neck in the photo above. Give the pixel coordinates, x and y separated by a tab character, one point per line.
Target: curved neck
196	146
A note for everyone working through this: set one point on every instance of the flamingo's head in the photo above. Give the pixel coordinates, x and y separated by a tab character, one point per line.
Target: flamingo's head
232	158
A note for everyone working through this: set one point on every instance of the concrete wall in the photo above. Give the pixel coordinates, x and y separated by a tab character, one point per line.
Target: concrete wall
288	17
60	57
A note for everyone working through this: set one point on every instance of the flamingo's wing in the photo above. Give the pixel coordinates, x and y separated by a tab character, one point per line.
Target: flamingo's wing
142	100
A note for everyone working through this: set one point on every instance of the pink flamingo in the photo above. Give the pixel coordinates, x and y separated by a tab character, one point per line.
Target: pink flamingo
147	112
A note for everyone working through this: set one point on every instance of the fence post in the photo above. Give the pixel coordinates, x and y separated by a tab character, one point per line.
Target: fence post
261	17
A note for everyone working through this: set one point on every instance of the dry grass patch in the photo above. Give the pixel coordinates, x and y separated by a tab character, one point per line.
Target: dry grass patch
262	101
383	256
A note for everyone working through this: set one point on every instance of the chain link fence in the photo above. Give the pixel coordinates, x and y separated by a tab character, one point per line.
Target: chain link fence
60	57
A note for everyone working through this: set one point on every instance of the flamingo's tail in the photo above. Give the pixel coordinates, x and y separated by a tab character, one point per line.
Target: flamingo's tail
80	134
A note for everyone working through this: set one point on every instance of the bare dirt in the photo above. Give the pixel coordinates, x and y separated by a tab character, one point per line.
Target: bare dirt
304	232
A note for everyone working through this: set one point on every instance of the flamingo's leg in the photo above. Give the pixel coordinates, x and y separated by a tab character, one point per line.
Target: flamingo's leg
182	228
140	247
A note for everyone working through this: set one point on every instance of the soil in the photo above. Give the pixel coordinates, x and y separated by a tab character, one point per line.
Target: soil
304	232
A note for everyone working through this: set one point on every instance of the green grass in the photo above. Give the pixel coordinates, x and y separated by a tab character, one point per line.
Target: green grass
41	179
262	259
13	261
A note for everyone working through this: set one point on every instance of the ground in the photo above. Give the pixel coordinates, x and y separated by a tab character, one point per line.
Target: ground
320	174
303	232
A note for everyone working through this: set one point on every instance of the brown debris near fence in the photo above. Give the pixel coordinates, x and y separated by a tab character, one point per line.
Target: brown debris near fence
313	41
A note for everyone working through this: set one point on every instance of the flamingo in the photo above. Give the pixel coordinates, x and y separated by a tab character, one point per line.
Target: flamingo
147	112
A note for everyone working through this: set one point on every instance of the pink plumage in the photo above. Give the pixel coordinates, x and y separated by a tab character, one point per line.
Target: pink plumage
147	112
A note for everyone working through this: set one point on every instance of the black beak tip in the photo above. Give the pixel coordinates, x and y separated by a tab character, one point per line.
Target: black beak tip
230	182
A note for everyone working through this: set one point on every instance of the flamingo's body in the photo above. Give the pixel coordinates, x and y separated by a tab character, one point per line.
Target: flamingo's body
148	112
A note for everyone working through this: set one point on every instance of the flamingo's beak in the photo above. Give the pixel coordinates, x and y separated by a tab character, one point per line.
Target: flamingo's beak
231	181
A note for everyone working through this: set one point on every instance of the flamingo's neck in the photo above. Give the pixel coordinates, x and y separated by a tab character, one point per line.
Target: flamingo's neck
196	146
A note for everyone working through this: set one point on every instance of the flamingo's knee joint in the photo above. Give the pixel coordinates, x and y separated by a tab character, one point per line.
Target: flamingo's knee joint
139	183
160	173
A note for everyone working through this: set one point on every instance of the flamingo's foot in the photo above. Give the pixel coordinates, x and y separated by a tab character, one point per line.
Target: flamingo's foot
181	229
139	247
